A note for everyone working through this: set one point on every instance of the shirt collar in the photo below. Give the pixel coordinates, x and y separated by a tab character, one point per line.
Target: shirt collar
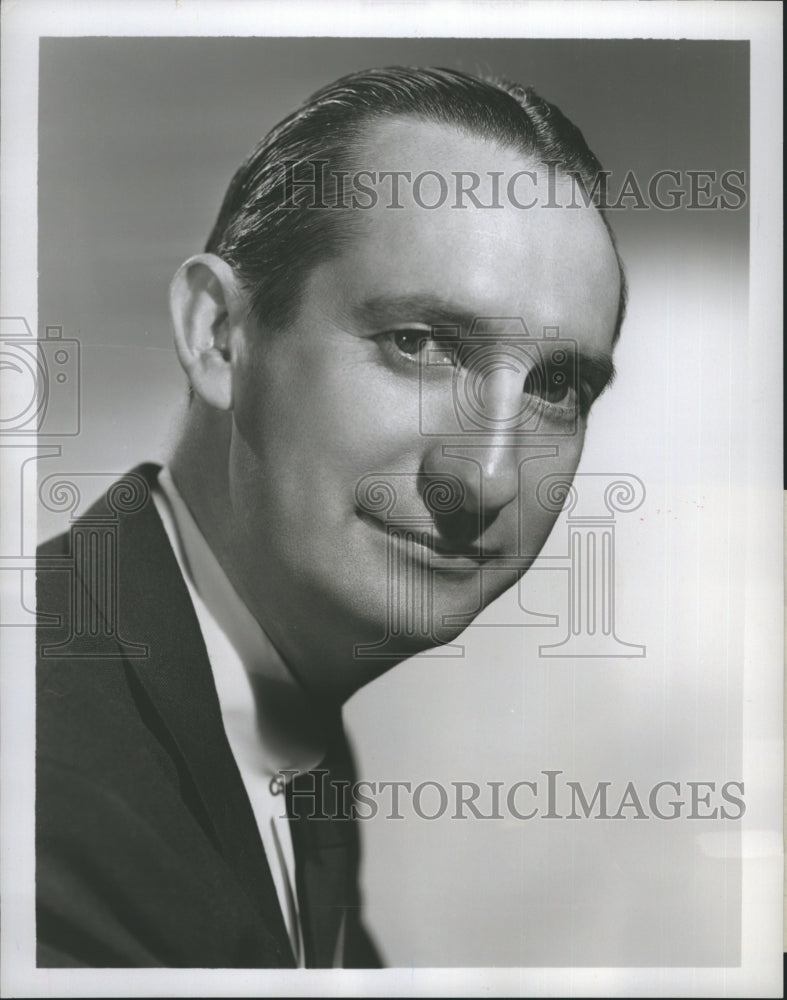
288	727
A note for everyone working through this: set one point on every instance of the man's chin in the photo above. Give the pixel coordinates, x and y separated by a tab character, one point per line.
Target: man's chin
396	645
423	617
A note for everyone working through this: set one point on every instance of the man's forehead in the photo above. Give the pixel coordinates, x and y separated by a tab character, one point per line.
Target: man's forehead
547	262
407	142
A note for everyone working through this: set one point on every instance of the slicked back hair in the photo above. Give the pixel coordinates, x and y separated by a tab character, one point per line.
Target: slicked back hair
273	248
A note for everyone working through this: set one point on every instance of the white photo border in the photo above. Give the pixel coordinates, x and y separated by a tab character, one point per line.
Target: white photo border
762	891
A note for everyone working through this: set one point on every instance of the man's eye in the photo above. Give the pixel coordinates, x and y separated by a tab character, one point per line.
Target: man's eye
409	342
420	345
551	385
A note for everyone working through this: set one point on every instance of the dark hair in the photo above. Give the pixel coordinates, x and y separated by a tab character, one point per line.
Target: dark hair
273	248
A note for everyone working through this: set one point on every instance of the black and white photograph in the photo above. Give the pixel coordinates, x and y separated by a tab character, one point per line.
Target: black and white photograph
391	551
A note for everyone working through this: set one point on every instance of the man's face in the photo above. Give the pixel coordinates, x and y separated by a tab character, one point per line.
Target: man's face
383	477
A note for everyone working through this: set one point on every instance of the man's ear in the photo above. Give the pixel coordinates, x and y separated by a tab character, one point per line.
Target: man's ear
206	306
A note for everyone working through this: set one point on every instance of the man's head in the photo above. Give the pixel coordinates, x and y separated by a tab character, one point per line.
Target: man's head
273	250
378	391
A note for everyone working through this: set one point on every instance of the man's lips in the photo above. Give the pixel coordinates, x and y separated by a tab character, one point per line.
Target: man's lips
426	537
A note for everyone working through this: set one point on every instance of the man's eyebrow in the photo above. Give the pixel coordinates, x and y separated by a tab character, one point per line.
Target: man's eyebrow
430	310
596	366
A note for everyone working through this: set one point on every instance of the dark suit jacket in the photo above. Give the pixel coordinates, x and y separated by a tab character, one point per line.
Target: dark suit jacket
147	850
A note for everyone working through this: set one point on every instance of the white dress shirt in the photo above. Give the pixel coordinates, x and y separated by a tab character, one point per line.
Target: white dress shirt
241	655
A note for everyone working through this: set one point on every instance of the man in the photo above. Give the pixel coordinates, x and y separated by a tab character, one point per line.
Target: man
400	322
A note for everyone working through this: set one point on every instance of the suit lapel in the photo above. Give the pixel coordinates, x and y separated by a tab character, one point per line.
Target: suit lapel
155	608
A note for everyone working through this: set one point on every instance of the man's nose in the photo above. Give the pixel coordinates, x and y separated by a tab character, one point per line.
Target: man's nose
485	452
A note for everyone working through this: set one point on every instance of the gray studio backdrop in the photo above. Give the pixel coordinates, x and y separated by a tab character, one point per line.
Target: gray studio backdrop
138	140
